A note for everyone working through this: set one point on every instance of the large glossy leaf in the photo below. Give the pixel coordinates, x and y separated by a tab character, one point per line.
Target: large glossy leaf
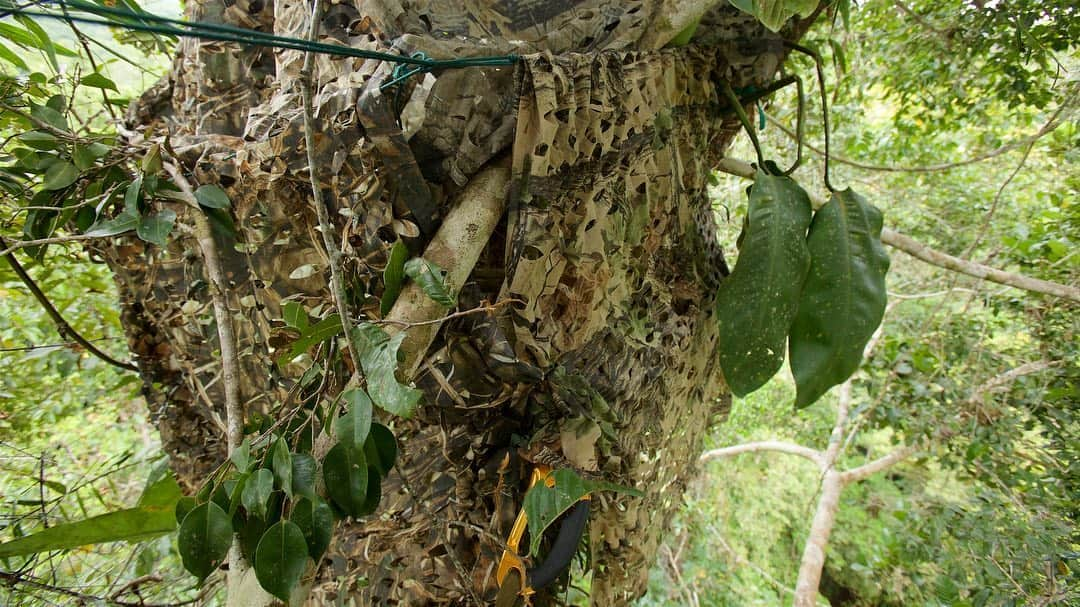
381	449
345	472
281	558
393	276
843	298
212	197
353	426
316	520
60	175
378	356
205	536
549	498
756	304
257	492
431	280
133	524
774	13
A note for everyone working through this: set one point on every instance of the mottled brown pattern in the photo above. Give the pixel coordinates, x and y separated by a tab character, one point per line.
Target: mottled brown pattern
609	243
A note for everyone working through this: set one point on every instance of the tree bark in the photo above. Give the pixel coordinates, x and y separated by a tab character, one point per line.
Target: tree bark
604	363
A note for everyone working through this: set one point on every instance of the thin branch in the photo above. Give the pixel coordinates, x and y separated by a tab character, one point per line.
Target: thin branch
869	469
934	257
985	227
230	361
62	327
1005	379
22	244
769	445
11	580
484	307
337	281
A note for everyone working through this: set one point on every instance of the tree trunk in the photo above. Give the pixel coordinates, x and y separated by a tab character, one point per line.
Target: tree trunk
603	363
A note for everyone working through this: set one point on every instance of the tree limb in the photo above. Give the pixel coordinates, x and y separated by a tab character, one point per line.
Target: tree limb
62	326
933	256
869	469
768	445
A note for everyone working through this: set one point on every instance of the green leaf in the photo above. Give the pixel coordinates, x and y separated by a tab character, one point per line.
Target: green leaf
212	197
381	449
774	13
374	491
257	492
162	490
156	229
294	315
50	116
184	505
131	196
7	55
393	276
39	140
316	520
124	222
378	356
304	470
60	175
281	461
843	299
98	81
132	524
345	472
84	156
281	558
544	504
756	304
430	278
205	536
241	455
45	43
320	332
353	426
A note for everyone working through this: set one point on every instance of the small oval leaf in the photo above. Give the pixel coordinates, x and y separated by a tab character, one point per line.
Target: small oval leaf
353	426
281	461
212	197
257	491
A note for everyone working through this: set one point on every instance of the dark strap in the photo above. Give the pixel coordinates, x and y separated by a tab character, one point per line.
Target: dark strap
564	547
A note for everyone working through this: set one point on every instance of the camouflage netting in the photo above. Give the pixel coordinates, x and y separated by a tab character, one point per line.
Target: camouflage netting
605	364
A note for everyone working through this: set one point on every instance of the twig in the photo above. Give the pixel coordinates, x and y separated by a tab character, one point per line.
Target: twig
935	257
230	361
770	445
485	307
21	244
62	326
13	579
337	282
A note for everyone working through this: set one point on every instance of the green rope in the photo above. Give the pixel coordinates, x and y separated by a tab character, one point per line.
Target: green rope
156	24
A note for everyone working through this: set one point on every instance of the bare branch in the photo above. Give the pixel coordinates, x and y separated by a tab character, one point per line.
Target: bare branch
22	244
769	445
337	281
62	326
881	463
1007	378
933	256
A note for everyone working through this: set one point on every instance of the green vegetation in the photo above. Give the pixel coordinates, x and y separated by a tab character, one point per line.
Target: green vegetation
956	118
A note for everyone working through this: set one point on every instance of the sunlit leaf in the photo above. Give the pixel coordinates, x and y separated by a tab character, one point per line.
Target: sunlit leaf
378	355
430	278
353	426
257	492
393	276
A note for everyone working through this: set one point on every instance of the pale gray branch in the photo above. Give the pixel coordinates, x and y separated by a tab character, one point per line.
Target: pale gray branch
869	469
768	445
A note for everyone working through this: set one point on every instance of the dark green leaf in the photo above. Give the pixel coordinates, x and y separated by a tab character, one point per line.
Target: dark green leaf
212	197
257	492
756	304
381	449
205	536
544	504
294	315
184	505
320	332
843	298
156	229
124	222
98	81
84	156
48	115
304	469
132	195
316	520
374	491
39	140
393	276
353	426
241	455
430	278
60	175
345	472
378	356
281	558
281	460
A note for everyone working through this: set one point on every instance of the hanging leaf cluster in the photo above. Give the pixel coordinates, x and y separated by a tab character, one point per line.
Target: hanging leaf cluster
814	283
